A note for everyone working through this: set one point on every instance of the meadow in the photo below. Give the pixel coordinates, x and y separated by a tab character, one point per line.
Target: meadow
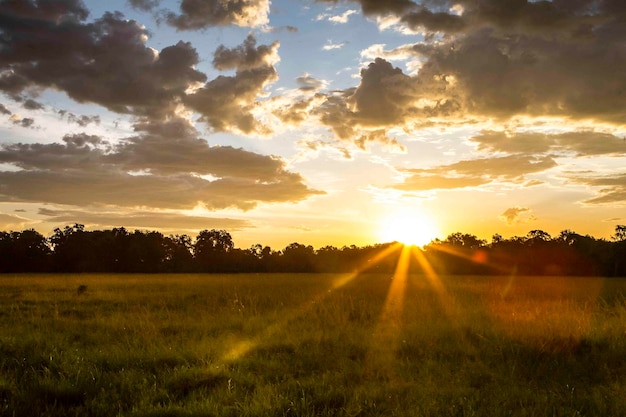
311	345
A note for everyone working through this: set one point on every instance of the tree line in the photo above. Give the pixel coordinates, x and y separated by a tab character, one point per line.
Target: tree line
76	250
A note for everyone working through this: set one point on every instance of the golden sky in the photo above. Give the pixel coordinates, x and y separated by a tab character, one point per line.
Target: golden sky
320	122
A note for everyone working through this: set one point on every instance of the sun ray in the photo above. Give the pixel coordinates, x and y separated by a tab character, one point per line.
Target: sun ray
433	279
386	335
240	348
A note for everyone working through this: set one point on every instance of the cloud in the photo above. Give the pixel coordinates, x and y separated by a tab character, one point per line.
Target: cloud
308	83
312	147
377	50
227	103
31	104
332	46
246	56
384	95
199	14
515	215
288	28
385	98
107	62
165	166
342	18
376	7
611	188
475	172
81	120
4	110
497	60
13	222
429	21
142	219
581	143
26	122
144	5
47	45
295	111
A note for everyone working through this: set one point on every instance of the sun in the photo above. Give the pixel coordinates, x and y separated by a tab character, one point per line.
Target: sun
412	229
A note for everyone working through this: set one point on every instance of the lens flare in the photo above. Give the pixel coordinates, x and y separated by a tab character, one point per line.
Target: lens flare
412	229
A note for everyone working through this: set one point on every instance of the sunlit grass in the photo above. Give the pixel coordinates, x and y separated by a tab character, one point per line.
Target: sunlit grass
311	345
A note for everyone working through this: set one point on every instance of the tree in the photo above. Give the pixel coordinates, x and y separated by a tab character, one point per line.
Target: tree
213	241
178	257
537	236
496	238
29	251
620	233
146	250
211	249
465	240
76	250
298	258
619	251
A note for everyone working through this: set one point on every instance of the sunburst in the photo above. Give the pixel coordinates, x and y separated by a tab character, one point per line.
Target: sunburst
412	229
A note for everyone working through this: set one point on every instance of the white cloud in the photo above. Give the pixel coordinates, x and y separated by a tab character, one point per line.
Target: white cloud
342	18
331	46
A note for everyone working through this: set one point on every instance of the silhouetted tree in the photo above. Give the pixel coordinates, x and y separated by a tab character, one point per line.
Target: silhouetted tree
178	253
211	250
620	233
74	249
25	251
619	250
328	259
298	258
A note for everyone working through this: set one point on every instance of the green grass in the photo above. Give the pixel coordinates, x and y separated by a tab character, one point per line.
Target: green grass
311	345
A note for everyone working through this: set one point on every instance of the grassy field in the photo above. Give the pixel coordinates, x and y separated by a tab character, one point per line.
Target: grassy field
311	345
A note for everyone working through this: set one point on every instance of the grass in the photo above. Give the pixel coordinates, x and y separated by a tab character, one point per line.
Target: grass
311	345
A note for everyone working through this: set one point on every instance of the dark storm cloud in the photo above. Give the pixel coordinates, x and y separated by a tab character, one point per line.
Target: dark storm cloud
5	110
47	45
164	166
227	102
475	172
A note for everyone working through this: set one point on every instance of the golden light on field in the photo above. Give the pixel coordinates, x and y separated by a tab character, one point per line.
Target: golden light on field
408	228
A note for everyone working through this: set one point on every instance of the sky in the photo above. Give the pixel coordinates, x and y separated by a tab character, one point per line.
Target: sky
323	122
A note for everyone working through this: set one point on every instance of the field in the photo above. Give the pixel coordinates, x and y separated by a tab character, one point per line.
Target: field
311	345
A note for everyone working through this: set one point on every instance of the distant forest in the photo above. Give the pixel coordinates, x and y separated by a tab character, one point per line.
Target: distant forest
74	249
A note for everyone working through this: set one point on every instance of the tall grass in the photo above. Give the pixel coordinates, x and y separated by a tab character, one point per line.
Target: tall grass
311	345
